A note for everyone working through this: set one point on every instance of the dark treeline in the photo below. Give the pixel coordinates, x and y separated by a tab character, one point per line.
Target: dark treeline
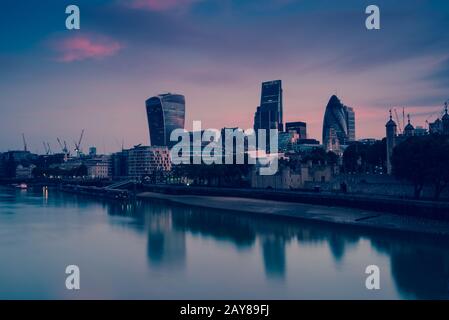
365	158
423	161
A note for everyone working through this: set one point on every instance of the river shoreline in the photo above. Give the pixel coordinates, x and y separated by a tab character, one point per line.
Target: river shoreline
437	210
384	213
309	212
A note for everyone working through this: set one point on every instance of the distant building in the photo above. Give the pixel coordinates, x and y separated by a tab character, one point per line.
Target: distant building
19	156
391	130
165	113
143	161
409	130
436	127
420	131
298	127
441	126
338	125
92	152
368	141
286	140
11	159
350	118
306	145
99	167
285	178
119	165
445	121
269	114
294	178
308	141
233	135
24	172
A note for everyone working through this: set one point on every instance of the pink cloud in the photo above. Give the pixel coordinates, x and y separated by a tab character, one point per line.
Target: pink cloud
160	5
83	47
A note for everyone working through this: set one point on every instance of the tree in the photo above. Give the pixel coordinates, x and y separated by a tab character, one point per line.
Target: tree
353	157
222	175
332	158
360	157
438	164
376	155
320	156
422	160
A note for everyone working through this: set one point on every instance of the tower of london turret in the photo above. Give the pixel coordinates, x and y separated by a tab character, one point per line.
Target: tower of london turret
391	129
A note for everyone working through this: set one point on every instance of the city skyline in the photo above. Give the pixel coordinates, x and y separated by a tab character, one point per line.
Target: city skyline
96	78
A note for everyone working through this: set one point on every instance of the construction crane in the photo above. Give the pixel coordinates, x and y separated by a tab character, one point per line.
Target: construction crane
78	145
436	114
403	118
60	145
63	147
398	120
46	148
25	147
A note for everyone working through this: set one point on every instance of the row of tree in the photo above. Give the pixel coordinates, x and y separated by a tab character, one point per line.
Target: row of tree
365	158
237	175
232	175
423	161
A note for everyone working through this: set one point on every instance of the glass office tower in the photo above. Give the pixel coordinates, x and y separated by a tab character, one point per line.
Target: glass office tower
298	127
269	113
338	125
165	112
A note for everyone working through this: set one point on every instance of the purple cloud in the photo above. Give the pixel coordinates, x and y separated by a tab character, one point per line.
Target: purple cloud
82	47
160	5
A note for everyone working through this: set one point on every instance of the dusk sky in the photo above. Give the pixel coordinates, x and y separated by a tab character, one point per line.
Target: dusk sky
55	82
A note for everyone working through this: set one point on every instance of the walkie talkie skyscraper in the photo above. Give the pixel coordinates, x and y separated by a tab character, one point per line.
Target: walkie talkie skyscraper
166	112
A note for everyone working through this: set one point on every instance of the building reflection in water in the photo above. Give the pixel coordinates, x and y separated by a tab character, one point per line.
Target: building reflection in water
420	269
419	272
273	249
166	245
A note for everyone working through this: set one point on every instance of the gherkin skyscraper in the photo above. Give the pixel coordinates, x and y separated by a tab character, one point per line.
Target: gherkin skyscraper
338	125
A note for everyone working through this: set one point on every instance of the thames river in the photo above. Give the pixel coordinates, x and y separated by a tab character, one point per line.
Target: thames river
154	250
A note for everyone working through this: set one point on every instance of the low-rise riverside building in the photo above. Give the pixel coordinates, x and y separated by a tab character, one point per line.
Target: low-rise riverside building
294	177
99	167
24	172
140	162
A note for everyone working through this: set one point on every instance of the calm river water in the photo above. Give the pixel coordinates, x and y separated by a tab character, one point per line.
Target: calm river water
153	250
